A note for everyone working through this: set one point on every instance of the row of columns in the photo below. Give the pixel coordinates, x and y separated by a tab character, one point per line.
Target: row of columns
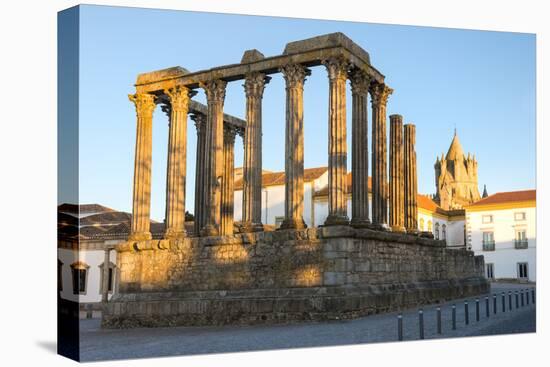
215	156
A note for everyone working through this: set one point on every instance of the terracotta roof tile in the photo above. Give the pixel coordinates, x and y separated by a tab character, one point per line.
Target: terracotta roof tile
83	208
507	197
278	178
106	218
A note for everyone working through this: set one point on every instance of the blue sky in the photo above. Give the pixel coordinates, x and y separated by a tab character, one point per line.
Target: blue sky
482	83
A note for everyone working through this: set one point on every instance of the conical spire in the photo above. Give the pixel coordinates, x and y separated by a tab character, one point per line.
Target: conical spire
484	192
455	150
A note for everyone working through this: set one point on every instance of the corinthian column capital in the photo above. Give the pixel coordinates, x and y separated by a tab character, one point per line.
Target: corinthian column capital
144	102
254	84
360	81
215	90
295	75
179	97
229	133
200	121
380	93
337	68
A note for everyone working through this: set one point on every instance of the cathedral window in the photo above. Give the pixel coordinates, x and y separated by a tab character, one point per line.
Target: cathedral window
436	232
421	224
444	232
79	274
487	219
519	216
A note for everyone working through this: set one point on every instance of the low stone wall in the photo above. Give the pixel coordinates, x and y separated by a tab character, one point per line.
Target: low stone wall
283	276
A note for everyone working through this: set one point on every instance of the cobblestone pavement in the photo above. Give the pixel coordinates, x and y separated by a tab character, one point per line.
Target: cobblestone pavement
97	344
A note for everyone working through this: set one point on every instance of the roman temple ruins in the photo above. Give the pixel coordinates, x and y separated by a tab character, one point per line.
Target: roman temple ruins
226	272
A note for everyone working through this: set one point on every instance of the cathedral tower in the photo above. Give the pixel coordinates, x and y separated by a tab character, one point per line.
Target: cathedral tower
456	178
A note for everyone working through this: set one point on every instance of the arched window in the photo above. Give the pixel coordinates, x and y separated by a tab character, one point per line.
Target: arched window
421	224
79	271
429	226
444	232
436	232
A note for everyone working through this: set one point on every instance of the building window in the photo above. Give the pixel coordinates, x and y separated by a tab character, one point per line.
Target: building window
80	277
429	226
490	271
422	224
488	241
436	232
523	273
521	239
487	219
59	275
279	221
444	232
110	280
519	216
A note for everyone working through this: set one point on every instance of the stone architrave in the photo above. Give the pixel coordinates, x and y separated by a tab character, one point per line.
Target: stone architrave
177	156
337	148
295	76
200	212
252	172
215	95
360	82
228	197
379	98
141	201
410	179
397	191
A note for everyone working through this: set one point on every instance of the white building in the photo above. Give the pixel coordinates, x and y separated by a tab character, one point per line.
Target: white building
502	228
447	225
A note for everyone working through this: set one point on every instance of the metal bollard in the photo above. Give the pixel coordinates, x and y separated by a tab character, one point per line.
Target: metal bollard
466	313
400	327
487	306
439	320
454	317
421	323
510	300
517	300
495	304
522	297
533	295
503	302
477	309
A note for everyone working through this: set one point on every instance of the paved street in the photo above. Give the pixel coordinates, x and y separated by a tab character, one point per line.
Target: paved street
97	344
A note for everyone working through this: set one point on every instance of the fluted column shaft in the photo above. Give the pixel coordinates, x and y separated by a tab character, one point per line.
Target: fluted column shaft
252	172
215	95
105	275
141	200
200	212
380	94
228	197
177	161
397	190
410	179
295	76
360	149
337	147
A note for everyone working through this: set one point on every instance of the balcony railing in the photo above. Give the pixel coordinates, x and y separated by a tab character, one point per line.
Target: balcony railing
488	245
521	244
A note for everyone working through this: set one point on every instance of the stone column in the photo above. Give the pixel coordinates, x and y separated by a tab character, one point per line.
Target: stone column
295	76
105	280
228	197
379	95
200	212
252	171
337	146
397	190
215	95
410	179
360	82
141	203
177	156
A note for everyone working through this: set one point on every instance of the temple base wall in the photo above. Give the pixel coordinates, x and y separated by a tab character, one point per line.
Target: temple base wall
286	276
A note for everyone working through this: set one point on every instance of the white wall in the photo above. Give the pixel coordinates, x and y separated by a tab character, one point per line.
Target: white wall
93	258
505	257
